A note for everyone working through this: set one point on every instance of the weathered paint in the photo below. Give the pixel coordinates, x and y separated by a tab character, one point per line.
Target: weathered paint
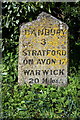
43	46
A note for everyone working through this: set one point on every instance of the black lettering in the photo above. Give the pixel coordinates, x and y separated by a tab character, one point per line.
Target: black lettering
55	72
62	31
63	52
44	51
26	72
34	52
53	52
39	53
24	53
38	61
59	52
43	60
31	80
58	31
32	72
40	32
62	61
54	61
29	51
51	72
28	61
53	80
48	52
48	61
44	80
46	31
37	72
45	72
36	80
33	32
43	41
61	72
27	32
52	32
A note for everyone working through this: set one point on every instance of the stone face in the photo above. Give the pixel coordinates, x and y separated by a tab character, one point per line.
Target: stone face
43	52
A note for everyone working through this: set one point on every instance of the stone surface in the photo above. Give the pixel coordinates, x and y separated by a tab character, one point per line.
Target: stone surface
43	51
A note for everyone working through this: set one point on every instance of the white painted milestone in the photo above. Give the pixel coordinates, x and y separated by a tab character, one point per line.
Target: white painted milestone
43	51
